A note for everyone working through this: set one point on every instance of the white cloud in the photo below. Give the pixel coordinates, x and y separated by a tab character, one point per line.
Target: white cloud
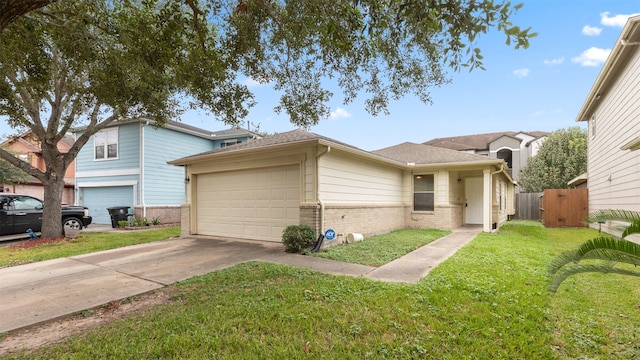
339	113
591	30
616	20
592	57
557	61
252	83
521	73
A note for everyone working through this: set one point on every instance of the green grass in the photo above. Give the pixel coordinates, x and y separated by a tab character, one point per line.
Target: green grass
381	249
488	301
85	243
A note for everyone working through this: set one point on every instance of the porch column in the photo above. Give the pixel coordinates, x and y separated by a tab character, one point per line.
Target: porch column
486	201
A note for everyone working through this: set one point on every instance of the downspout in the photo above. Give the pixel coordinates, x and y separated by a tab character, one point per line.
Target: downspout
318	188
144	207
76	192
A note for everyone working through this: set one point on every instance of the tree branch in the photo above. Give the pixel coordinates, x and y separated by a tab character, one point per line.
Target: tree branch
10	10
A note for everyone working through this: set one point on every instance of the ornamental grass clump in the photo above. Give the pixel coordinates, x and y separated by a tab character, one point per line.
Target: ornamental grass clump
298	238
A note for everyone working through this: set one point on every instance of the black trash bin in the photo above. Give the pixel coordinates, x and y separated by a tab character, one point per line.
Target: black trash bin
118	213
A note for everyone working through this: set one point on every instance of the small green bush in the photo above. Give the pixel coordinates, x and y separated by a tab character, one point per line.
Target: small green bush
155	221
123	223
298	238
141	222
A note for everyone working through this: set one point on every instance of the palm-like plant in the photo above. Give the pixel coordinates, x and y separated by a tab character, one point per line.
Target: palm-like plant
610	250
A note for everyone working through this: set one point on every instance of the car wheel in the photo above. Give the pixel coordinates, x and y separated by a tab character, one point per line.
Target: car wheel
72	223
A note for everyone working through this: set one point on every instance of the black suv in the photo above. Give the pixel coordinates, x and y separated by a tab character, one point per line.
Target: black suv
18	213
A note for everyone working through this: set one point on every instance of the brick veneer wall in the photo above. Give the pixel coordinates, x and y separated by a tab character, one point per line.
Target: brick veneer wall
166	214
445	217
367	220
185	220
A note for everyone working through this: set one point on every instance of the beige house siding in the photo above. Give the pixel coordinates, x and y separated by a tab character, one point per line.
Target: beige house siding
344	178
613	173
359	196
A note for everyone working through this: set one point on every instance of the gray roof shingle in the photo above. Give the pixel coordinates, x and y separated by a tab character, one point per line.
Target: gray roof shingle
477	141
404	153
421	154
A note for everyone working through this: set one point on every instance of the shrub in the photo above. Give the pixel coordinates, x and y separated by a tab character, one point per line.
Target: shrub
155	221
123	223
140	222
298	238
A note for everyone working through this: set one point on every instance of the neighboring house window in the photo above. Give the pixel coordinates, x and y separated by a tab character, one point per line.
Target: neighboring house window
506	155
230	142
593	127
24	157
105	143
423	194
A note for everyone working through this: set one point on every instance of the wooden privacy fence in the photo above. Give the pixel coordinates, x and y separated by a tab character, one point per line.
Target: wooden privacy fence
564	207
528	206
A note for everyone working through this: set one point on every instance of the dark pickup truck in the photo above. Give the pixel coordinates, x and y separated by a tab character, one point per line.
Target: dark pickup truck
18	213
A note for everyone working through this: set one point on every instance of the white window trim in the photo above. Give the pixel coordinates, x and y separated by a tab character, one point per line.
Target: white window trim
230	142
106	145
413	192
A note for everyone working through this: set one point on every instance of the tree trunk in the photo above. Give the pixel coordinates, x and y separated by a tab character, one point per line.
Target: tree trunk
53	183
52	214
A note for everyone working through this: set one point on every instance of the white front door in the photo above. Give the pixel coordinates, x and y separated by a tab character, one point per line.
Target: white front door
473	200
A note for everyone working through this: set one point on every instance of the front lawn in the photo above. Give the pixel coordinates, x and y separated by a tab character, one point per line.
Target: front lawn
488	301
381	249
86	242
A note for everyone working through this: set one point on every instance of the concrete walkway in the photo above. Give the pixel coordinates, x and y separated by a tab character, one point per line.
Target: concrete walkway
42	291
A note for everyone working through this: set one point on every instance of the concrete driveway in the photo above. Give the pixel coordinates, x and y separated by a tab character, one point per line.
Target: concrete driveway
45	290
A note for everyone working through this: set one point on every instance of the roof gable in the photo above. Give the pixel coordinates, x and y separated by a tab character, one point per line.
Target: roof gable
626	45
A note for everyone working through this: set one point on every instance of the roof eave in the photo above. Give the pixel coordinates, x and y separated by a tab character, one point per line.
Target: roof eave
231	152
631	28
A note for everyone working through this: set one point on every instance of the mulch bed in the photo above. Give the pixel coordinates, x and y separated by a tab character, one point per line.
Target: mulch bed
38	242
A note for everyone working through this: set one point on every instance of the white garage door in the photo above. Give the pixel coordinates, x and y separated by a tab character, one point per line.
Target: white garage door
249	204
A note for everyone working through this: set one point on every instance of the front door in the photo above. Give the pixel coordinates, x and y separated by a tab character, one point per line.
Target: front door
473	203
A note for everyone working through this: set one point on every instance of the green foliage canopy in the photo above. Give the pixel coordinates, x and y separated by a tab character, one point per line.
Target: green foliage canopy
562	157
10	174
90	63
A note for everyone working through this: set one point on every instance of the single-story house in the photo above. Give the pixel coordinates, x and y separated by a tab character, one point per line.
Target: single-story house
254	190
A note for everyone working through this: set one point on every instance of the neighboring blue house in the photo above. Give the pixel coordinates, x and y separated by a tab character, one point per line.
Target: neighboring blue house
125	164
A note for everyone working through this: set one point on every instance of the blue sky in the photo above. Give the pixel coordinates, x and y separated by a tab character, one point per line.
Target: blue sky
540	88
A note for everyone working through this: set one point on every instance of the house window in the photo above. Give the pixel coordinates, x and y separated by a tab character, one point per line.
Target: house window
230	142
593	127
507	156
105	143
423	194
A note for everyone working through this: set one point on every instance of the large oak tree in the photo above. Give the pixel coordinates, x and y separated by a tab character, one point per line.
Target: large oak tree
90	63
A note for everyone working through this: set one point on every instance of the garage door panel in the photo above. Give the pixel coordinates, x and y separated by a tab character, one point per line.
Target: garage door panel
98	199
252	204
